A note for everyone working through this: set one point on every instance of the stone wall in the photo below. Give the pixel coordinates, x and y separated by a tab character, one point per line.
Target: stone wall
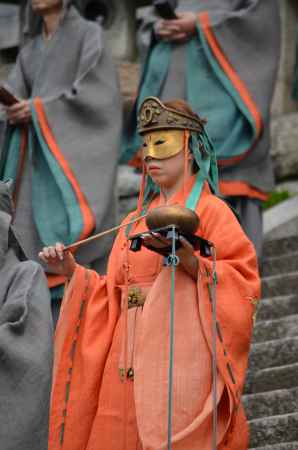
283	102
284	129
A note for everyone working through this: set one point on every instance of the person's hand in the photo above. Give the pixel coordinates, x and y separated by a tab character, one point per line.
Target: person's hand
19	113
59	261
155	240
187	258
186	251
178	30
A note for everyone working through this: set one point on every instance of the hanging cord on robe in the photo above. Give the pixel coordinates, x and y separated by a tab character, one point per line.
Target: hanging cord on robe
125	343
214	348
172	261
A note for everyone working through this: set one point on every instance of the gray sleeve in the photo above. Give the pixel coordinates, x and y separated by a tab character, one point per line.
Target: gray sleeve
90	54
26	335
16	82
144	35
91	50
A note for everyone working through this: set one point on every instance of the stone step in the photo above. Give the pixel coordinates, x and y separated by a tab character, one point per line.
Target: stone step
277	307
277	285
280	264
278	247
267	330
283	446
273	403
273	430
272	378
274	353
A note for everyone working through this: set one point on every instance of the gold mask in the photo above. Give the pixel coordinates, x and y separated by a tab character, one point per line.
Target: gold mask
162	144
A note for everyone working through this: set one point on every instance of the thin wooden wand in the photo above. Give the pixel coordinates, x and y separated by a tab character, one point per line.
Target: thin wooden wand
103	233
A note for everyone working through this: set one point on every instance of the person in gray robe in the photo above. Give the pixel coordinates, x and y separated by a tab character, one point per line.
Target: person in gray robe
221	56
62	140
295	84
26	342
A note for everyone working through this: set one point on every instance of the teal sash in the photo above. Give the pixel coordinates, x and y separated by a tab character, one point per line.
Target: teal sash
56	210
210	93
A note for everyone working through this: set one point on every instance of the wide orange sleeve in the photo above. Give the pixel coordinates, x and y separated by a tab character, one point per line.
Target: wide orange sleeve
83	339
238	287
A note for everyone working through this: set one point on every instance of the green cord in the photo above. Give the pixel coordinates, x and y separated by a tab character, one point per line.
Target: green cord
173	261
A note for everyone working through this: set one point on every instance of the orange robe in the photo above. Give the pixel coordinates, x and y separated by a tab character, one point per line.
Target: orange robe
93	409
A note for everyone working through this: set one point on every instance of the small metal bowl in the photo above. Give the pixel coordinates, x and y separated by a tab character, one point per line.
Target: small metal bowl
183	218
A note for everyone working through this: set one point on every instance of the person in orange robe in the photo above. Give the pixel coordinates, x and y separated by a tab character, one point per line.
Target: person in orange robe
112	355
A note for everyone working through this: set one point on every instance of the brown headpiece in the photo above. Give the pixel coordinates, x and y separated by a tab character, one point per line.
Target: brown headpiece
154	115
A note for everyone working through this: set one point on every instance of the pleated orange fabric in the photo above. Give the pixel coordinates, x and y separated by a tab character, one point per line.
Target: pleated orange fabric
93	409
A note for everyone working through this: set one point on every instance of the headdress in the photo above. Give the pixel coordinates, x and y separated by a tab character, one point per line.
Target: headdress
154	115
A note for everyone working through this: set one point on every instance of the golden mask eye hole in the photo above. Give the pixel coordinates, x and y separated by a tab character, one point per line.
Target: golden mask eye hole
159	142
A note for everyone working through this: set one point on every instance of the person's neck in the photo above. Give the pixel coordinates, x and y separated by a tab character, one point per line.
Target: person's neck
51	21
169	191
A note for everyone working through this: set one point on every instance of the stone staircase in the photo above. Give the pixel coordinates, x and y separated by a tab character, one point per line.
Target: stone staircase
271	391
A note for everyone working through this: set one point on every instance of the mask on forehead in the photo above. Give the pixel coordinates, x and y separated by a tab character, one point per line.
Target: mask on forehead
162	144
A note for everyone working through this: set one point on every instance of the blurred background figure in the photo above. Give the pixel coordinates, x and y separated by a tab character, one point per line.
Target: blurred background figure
295	90
222	57
62	136
26	341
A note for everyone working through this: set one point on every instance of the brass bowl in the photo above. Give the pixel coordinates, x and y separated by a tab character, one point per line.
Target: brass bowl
183	218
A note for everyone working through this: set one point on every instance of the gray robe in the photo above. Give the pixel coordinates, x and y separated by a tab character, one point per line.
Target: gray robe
251	42
26	345
77	83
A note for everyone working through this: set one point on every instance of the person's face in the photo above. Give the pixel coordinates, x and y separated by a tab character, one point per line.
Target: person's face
163	156
42	6
166	172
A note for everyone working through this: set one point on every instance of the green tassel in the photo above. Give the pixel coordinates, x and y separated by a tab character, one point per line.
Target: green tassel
206	161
